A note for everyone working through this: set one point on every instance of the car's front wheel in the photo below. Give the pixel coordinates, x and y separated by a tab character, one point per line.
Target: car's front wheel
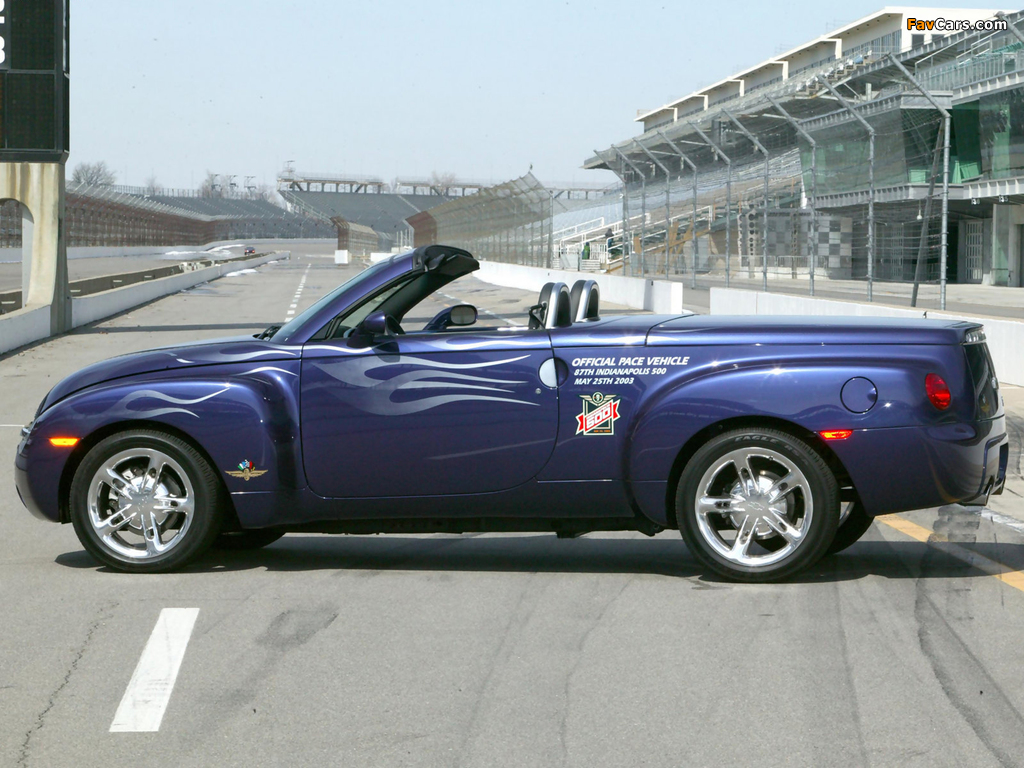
757	505
146	502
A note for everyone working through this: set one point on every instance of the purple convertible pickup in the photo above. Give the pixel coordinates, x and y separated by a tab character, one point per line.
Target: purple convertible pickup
768	443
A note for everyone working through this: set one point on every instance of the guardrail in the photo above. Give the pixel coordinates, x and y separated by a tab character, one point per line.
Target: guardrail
11	300
26	326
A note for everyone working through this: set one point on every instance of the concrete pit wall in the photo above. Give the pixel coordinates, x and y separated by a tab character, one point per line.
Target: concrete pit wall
26	326
658	296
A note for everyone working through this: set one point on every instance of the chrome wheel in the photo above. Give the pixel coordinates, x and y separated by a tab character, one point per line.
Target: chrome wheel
751	495
141	503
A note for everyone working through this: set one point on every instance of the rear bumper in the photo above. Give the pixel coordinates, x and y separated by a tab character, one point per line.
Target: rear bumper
895	470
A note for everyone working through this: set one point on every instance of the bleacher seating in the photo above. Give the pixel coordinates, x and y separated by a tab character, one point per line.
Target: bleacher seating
384	213
223	206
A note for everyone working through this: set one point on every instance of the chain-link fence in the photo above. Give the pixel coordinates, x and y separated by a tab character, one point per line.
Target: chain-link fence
510	222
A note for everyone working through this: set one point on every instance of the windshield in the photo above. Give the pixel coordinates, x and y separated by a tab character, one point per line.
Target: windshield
286	329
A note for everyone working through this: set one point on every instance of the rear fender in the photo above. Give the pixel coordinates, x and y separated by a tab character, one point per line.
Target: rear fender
806	396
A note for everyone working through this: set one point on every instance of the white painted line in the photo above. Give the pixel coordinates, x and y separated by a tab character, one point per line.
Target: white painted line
16	426
1009	522
149	691
292	306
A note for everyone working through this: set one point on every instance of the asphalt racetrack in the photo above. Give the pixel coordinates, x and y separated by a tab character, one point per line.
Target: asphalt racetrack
494	650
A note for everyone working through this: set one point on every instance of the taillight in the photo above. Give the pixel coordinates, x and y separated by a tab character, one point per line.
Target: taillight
937	391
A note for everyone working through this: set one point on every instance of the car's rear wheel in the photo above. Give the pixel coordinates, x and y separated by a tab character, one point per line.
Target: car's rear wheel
853	524
145	502
746	490
245	540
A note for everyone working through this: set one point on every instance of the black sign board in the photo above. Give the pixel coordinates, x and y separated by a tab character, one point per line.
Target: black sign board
34	72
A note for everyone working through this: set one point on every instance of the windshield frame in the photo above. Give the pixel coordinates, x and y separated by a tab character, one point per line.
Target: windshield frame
300	328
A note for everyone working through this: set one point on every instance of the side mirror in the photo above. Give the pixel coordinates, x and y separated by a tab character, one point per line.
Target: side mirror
462	314
375	324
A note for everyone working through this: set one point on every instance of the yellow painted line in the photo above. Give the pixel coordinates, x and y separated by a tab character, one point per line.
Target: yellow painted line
997	570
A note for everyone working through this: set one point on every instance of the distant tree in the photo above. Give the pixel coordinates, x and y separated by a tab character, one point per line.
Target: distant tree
153	186
210	187
96	174
263	192
442	181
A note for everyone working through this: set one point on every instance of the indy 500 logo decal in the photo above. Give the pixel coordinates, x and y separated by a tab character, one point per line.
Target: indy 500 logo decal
599	415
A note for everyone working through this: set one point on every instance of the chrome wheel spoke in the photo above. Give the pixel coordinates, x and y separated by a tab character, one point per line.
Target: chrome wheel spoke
115	522
711	505
170	503
782	487
154	470
118	482
751	484
783	527
744	536
151	532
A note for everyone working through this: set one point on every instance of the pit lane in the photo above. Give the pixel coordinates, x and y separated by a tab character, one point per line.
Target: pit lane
487	650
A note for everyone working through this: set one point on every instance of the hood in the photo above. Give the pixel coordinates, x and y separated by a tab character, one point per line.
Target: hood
239	349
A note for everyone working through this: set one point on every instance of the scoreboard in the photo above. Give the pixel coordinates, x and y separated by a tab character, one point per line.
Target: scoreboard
34	69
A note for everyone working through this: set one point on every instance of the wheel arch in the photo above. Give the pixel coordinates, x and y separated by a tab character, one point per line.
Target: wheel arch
87	443
693	444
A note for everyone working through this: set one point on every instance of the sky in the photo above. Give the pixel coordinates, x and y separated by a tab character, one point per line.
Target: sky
480	89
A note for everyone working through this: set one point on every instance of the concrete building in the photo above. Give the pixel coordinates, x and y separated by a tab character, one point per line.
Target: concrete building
834	151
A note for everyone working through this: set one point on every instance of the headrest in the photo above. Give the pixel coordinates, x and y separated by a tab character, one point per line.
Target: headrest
584	298
554	307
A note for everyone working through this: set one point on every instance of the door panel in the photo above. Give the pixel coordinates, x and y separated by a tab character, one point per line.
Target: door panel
427	414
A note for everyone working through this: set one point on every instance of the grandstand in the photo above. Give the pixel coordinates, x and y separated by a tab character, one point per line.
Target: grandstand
222	206
384	213
365	200
871	152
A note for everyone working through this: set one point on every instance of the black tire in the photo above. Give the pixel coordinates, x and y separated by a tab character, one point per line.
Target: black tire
817	494
851	529
240	541
188	541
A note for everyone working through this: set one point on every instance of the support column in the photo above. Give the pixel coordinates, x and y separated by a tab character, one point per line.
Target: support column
693	224
814	185
39	187
643	209
871	180
764	227
728	200
944	234
668	213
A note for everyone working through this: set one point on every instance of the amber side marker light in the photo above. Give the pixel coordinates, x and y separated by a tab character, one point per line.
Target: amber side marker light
836	434
64	442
